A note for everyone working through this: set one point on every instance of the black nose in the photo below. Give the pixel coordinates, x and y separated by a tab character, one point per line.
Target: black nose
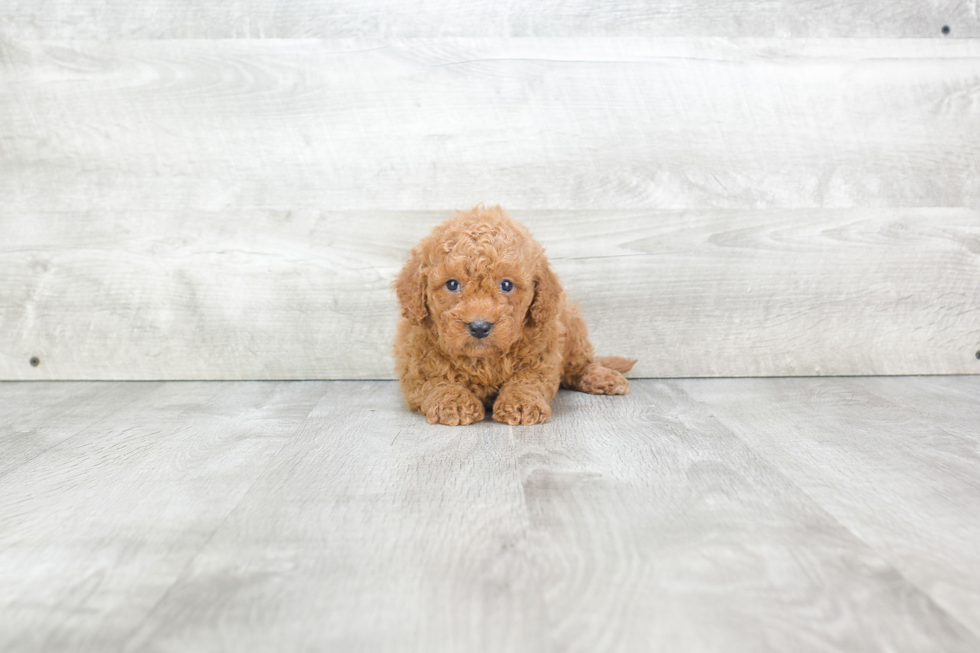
479	329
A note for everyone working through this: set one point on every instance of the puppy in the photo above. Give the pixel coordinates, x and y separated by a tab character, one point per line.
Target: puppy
484	323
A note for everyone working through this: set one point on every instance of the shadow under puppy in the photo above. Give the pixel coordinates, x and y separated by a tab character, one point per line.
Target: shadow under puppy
485	324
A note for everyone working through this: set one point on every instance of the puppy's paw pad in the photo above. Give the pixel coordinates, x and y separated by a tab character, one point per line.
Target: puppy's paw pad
518	411
455	411
600	380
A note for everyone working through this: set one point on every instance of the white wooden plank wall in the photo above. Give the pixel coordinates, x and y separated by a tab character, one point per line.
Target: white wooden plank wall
193	19
182	202
305	294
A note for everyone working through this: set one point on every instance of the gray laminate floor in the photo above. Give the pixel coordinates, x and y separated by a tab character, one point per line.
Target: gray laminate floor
698	515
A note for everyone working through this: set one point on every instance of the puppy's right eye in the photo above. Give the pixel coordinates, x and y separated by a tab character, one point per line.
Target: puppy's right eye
452	285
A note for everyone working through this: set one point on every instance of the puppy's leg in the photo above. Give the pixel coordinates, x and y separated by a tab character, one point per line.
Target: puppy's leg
431	388
518	405
581	370
450	404
597	380
524	399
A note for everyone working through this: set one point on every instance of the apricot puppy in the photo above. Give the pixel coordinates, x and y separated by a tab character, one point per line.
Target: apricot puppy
485	325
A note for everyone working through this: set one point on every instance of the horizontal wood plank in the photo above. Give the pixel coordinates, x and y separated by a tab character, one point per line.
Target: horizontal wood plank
194	209
267	295
166	19
535	123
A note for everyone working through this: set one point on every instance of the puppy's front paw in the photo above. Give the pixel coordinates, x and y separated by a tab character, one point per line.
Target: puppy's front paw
525	407
453	407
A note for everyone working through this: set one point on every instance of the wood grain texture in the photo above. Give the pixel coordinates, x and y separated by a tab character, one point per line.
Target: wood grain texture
166	19
949	404
305	294
94	530
39	416
876	456
704	515
221	209
656	528
386	533
534	123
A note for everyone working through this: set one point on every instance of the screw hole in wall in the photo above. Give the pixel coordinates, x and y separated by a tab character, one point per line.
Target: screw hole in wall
978	354
945	29
35	361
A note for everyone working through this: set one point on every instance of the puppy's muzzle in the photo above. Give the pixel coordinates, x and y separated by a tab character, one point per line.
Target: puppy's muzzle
479	330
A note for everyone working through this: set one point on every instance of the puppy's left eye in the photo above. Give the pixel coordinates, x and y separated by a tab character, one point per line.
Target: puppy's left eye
506	285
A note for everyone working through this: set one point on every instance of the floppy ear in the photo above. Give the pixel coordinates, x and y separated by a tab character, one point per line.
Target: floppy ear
547	295
410	287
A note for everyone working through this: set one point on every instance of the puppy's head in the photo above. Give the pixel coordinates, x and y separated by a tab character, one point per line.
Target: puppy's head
479	280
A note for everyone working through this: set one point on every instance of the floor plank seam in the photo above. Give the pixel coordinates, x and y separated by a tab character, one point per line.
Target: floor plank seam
817	504
193	558
90	425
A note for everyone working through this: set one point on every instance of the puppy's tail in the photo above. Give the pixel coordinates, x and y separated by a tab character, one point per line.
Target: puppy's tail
622	365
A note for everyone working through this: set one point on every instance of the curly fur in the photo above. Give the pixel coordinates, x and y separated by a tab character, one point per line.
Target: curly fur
537	342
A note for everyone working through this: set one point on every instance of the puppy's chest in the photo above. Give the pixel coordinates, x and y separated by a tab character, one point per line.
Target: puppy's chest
483	377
